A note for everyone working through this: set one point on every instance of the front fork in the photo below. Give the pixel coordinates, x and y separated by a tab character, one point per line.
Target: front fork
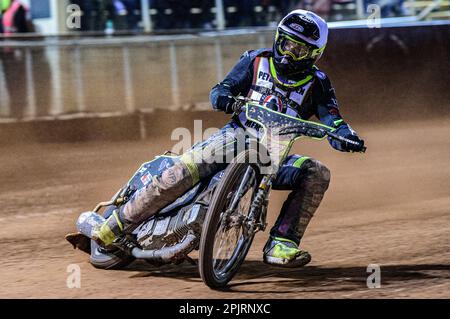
261	201
257	220
258	212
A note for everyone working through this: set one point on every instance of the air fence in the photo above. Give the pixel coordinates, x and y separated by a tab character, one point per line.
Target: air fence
51	78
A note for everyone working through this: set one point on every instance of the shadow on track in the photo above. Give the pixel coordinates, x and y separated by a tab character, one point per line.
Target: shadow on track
308	279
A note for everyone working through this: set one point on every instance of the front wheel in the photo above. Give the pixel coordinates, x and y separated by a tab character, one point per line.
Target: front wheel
227	231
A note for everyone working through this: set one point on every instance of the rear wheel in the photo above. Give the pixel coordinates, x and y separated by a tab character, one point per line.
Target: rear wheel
226	236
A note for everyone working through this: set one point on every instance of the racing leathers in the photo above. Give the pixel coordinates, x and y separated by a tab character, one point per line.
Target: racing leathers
308	179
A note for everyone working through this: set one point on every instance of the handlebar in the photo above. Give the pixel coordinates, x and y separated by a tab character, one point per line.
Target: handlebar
317	132
309	131
241	98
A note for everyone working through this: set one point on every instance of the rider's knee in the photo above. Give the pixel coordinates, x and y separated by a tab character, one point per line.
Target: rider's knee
173	177
317	173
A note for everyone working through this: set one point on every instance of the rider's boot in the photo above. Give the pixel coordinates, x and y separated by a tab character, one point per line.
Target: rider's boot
283	252
106	233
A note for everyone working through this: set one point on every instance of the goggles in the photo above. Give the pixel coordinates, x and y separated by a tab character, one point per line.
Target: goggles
297	50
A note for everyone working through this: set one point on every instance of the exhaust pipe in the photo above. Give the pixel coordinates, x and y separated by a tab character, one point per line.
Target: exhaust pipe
165	254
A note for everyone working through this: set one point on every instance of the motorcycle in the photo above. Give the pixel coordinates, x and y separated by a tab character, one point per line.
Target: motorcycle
219	216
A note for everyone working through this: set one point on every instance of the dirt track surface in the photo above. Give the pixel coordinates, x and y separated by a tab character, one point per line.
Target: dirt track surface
389	207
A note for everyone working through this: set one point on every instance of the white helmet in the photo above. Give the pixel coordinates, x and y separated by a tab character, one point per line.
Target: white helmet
300	41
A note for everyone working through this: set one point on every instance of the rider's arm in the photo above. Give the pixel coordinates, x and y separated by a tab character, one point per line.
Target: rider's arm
327	110
237	82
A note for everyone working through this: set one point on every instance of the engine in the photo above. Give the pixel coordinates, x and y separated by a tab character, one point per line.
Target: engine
163	231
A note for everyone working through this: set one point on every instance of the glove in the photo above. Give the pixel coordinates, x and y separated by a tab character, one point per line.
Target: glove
348	147
227	104
234	107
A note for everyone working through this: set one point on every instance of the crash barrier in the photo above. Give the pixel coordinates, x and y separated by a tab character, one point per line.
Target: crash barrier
379	74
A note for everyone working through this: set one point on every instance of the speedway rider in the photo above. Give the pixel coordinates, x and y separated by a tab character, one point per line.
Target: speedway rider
283	75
